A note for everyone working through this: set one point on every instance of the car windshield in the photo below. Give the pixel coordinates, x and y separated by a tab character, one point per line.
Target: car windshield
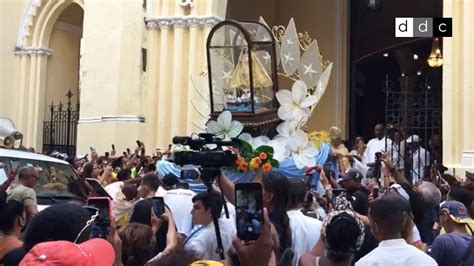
55	180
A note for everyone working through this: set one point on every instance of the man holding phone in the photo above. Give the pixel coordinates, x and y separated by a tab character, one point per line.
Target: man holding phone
202	239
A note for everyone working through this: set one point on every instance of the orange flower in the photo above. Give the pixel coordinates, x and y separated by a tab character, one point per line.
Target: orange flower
239	160
262	156
244	166
267	167
257	160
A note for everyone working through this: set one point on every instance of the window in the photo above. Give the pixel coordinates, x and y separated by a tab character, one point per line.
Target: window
143	59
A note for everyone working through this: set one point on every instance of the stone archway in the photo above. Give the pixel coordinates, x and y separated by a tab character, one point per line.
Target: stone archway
33	48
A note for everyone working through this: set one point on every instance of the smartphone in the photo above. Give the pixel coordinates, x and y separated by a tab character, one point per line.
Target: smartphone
249	210
94	183
376	193
101	226
158	206
113	147
308	180
92	210
337	193
139	143
189	174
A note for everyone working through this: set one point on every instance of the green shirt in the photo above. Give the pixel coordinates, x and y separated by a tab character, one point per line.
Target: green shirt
22	194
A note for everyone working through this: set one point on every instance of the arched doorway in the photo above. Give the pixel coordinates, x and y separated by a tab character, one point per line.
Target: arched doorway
48	45
61	111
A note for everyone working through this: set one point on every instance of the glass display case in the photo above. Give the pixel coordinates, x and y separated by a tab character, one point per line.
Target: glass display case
242	71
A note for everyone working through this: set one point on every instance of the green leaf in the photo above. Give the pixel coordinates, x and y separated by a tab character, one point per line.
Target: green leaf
266	149
274	163
245	149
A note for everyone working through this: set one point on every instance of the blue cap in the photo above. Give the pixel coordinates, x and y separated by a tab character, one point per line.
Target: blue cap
457	211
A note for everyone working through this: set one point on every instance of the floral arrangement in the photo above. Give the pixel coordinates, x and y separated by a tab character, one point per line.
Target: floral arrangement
319	137
311	77
255	159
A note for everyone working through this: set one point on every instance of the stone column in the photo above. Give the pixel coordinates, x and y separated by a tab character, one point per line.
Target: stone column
458	95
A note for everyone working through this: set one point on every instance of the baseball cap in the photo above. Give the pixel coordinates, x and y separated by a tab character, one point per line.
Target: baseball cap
352	174
470	175
413	138
457	211
401	191
94	252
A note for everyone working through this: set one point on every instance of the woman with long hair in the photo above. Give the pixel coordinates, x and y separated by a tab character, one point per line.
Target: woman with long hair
138	242
275	199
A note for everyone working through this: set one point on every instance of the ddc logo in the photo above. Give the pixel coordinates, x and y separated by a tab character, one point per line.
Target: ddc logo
423	27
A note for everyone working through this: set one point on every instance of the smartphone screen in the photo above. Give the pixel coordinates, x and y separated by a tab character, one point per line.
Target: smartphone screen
101	226
249	210
189	174
337	193
158	206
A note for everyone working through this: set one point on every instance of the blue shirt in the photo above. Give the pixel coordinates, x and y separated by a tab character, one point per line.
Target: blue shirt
449	249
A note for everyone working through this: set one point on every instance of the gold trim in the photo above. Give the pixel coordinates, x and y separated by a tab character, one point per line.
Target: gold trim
261	123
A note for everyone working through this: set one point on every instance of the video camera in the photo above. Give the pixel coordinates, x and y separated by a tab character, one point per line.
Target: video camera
202	155
210	162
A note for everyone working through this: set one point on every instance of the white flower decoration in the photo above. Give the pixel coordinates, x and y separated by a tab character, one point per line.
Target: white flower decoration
280	152
224	127
254	142
295	105
302	151
287	128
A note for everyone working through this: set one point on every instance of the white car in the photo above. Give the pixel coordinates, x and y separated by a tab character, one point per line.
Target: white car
57	182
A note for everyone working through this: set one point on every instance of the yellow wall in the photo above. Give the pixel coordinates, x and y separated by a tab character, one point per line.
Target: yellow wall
111	82
458	88
10	16
63	69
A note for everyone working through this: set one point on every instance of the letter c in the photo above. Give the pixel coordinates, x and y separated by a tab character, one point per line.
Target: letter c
439	27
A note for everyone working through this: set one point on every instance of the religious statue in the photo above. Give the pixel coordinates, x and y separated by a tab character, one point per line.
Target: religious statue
339	150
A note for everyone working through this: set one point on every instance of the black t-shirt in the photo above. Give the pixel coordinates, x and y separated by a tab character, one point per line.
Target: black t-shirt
369	244
13	257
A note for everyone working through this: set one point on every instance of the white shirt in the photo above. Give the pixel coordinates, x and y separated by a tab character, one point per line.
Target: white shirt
180	203
376	145
396	252
204	242
305	232
160	192
421	158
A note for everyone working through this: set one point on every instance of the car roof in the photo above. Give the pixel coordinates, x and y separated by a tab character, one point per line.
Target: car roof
12	153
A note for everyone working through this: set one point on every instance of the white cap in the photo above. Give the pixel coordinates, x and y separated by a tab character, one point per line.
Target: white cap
401	191
413	138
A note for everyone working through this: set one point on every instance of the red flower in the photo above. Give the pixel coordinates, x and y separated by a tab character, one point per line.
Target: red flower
262	156
267	167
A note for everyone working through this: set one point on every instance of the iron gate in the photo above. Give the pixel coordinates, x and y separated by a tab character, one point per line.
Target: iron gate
414	109
60	132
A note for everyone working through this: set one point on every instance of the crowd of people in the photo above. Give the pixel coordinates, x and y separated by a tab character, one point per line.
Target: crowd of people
360	219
